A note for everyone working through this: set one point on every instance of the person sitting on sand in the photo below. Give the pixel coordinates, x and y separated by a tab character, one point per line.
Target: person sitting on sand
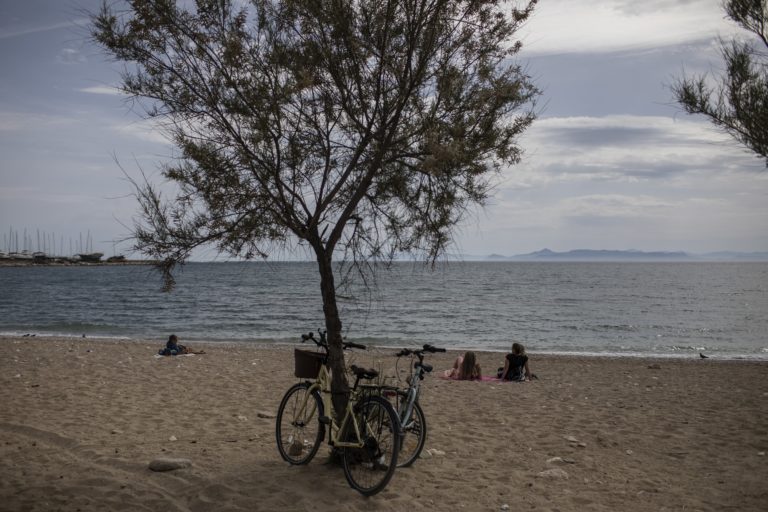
464	368
516	365
174	348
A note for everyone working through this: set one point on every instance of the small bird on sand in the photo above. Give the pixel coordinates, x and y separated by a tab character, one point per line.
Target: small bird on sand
703	356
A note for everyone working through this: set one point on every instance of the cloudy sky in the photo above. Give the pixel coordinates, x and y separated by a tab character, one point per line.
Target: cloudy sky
611	163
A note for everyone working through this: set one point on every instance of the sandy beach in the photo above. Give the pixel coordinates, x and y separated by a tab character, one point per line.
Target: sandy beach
81	420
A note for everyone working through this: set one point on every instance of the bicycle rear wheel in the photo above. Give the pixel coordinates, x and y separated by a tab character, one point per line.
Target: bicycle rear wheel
413	437
369	469
298	429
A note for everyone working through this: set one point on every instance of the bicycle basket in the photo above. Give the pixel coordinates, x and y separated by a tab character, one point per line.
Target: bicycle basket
307	364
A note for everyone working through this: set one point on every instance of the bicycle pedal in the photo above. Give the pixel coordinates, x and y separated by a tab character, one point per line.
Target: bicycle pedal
325	420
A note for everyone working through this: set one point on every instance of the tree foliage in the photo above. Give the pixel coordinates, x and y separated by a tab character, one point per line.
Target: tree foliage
738	103
357	128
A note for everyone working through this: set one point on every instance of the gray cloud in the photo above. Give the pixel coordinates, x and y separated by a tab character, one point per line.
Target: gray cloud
595	137
70	56
635	8
568	26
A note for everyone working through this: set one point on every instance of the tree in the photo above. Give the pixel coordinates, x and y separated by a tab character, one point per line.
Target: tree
357	128
738	104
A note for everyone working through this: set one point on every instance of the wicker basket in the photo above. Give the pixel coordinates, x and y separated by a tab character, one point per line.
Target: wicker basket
307	364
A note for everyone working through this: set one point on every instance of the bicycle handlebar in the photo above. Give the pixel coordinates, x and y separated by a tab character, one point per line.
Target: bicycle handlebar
426	348
322	343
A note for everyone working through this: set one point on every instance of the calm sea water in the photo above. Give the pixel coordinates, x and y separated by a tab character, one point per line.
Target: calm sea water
662	309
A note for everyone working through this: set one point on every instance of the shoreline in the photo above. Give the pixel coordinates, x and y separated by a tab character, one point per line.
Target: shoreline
82	419
269	343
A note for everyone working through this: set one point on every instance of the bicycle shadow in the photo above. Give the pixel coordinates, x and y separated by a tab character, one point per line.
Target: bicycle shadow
276	485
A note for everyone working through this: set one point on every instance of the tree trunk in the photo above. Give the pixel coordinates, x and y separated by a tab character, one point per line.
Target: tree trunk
339	384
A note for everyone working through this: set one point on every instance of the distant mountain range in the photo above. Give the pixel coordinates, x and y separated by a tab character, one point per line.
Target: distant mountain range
630	255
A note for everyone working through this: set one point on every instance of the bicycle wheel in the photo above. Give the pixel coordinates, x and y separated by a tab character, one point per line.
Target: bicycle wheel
413	437
368	469
298	428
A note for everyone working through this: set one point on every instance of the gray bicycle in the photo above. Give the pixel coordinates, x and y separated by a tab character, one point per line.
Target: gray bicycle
413	424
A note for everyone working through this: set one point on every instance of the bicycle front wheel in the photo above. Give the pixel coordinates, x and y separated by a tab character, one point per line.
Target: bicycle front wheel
298	428
413	437
369	468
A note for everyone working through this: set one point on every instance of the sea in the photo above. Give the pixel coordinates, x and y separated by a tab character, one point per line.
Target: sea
658	309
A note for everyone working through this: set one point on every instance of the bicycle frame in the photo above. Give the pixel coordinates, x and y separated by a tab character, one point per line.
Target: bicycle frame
411	396
323	384
414	384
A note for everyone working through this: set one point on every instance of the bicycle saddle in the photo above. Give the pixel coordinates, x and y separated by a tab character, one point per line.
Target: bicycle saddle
364	373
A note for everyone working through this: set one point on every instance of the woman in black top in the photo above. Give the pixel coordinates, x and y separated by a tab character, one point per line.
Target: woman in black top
516	365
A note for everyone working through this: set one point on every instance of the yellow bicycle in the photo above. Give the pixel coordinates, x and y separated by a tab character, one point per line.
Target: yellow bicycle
368	434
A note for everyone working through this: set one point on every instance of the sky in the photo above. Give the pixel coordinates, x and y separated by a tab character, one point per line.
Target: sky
611	162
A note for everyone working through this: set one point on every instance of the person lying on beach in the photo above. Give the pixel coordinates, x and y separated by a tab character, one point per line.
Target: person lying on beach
174	348
516	365
464	368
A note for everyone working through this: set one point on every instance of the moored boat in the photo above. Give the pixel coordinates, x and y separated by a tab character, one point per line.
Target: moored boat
91	257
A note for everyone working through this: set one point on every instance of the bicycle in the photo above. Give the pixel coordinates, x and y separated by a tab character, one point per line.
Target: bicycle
413	425
368	434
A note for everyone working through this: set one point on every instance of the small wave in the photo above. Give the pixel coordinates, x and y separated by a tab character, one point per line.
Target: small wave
566	300
678	348
618	327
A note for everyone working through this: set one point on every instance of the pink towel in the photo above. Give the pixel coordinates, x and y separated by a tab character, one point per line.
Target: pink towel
481	379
